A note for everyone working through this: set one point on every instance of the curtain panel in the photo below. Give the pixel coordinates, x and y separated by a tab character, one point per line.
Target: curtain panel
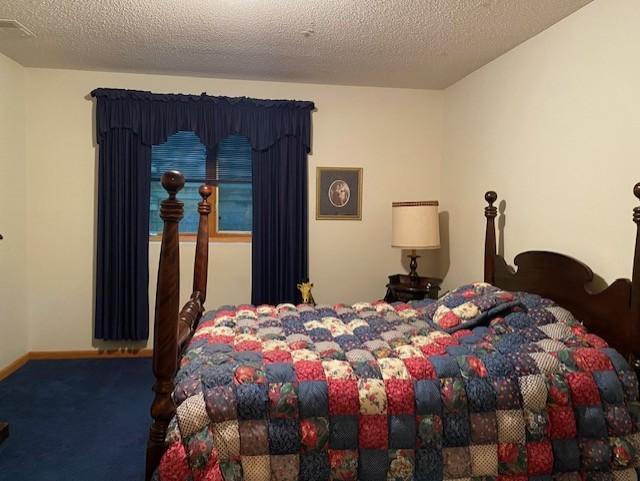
280	248
128	123
122	267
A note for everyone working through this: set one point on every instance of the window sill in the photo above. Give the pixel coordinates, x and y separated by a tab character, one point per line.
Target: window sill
226	238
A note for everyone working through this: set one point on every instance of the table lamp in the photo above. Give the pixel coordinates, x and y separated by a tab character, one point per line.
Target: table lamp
415	226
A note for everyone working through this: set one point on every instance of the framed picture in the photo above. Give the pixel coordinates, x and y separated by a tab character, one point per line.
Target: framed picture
339	193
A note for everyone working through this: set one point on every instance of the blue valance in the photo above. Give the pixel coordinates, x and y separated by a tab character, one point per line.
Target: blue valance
154	117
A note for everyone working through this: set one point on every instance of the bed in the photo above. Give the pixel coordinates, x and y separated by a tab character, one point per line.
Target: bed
524	375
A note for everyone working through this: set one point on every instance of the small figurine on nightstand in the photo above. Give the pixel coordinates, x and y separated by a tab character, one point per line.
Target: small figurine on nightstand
305	292
414	226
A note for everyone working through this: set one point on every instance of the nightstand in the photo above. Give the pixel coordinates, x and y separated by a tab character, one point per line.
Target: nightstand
4	431
403	288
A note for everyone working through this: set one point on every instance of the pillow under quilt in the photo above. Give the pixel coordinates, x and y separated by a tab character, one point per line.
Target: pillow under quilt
470	306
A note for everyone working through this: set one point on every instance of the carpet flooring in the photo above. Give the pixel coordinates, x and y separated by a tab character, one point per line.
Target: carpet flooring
76	420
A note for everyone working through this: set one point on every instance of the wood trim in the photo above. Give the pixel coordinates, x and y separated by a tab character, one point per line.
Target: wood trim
246	238
81	354
90	354
212	238
238	238
14	366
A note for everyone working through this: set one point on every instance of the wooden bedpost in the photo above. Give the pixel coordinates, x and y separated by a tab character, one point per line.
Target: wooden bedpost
635	279
635	286
490	212
165	346
200	267
193	309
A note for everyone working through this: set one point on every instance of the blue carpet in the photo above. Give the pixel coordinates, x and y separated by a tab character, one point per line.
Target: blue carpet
80	420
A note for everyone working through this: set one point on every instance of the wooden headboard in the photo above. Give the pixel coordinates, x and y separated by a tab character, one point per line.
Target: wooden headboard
613	314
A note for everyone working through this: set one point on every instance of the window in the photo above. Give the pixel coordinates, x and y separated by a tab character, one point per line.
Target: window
229	171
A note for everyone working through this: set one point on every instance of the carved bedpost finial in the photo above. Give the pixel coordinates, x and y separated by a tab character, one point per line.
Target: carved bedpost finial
173	182
171	209
490	211
205	192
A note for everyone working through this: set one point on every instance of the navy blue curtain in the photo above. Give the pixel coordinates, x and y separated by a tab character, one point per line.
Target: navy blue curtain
128	123
280	248
122	271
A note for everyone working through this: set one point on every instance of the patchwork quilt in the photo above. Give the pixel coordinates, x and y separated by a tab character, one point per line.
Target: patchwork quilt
480	385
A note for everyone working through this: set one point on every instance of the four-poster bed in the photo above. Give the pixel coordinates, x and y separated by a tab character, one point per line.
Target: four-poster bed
612	314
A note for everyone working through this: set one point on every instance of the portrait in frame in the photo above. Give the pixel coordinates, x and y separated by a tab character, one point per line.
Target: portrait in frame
339	193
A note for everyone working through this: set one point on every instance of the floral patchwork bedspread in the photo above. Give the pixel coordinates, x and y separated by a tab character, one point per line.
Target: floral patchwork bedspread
480	385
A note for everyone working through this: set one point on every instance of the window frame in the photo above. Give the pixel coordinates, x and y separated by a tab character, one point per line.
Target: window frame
214	235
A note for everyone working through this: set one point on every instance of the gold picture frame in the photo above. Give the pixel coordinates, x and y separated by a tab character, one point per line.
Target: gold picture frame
338	193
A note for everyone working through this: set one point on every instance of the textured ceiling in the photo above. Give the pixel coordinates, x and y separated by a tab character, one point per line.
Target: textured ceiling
399	43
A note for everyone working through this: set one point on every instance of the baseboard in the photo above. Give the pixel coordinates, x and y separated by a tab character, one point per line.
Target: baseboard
90	354
85	354
14	366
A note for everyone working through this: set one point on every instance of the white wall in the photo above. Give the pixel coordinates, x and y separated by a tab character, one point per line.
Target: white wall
554	127
394	134
13	318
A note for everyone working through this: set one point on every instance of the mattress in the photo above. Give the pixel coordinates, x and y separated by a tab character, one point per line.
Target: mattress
482	384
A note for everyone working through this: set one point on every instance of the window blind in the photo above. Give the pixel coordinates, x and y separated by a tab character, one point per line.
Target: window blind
233	162
182	151
232	175
230	170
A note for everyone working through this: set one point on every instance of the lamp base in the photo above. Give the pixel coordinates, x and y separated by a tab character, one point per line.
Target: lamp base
413	265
